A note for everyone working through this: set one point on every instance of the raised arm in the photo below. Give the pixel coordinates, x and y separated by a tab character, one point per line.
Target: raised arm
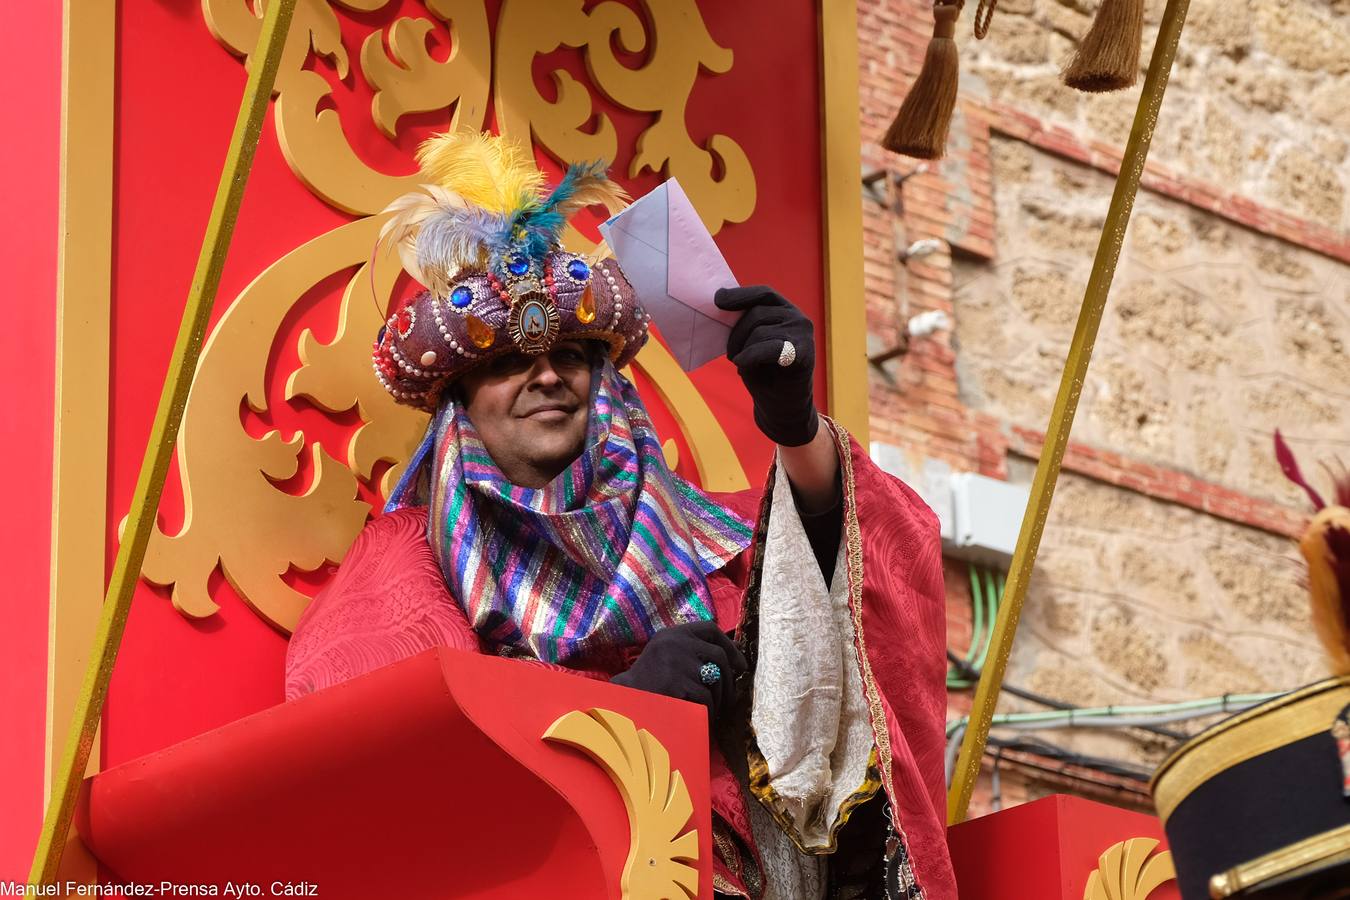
773	349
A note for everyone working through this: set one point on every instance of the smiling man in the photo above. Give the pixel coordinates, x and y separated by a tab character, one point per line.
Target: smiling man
539	520
532	410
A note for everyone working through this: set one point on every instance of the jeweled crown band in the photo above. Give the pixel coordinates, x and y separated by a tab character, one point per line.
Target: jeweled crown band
432	341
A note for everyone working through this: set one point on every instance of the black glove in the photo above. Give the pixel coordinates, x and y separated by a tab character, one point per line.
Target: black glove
670	665
785	408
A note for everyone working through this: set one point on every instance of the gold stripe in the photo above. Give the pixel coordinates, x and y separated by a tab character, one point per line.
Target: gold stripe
163	435
80	428
1320	848
83	308
880	732
854	557
1066	404
841	151
763	790
721	885
1259	730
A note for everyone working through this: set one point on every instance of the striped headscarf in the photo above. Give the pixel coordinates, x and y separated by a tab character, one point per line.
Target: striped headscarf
611	551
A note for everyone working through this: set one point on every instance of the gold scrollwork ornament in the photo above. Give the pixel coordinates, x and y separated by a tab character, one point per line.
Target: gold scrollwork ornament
408	80
312	139
236	515
679	45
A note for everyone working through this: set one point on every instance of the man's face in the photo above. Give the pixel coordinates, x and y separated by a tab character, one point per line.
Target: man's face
531	411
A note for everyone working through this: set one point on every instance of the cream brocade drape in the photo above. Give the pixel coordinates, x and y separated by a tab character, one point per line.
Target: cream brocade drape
809	716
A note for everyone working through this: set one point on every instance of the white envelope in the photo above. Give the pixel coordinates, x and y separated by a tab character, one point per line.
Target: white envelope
675	267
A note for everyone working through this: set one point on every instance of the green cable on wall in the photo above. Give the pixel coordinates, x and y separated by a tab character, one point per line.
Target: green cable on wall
993	593
986	590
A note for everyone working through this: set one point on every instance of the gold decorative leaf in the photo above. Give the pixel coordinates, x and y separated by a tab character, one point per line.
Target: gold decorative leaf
656	797
1125	871
312	140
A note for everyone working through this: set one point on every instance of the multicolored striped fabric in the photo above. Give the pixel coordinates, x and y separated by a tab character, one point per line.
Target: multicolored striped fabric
616	548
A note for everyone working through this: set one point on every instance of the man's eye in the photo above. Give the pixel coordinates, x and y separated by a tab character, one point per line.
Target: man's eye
508	364
571	357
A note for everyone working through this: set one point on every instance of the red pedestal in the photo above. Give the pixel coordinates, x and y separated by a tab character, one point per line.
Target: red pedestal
425	779
1048	850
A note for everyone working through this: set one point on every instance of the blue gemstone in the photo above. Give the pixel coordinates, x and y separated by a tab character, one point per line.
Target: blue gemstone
461	297
578	270
518	265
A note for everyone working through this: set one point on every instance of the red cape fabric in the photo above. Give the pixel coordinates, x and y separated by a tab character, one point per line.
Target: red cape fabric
389	601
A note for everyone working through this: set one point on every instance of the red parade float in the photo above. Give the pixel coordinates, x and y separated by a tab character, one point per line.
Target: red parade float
447	774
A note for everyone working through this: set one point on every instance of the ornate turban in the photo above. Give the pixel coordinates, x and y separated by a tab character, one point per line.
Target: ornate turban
485	240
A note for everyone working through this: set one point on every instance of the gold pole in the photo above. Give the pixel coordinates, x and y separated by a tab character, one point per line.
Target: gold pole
845	299
163	436
1066	404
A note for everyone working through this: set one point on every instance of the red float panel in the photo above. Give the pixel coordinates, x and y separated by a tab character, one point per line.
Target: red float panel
1047	850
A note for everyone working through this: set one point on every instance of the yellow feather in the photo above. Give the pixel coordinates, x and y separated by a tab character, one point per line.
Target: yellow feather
484	169
1328	611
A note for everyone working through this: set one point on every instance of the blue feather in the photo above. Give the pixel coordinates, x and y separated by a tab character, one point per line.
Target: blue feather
582	184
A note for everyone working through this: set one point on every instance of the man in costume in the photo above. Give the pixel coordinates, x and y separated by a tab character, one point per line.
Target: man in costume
1258	804
538	519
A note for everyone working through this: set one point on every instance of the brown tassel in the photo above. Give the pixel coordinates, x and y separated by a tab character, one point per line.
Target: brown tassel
920	128
1108	56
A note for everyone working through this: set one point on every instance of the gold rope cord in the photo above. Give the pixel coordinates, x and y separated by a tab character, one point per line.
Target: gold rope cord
1066	404
163	437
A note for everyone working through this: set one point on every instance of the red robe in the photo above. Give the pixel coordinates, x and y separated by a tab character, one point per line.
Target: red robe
389	601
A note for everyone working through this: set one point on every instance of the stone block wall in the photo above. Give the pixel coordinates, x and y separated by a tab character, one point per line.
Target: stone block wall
1257	100
1214	334
1168	569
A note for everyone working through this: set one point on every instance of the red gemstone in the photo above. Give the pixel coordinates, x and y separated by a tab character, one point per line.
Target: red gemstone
404	320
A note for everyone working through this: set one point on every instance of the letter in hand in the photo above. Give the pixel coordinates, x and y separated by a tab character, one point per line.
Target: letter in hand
675	267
